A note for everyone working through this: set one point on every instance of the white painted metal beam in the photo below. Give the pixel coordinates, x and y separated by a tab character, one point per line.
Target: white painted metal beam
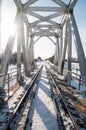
7	54
40	21
64	20
51	40
31	50
23	46
72	4
19	49
69	41
79	48
18	3
37	39
47	17
56	53
61	3
64	48
60	50
27	47
45	26
25	19
43	34
28	3
45	9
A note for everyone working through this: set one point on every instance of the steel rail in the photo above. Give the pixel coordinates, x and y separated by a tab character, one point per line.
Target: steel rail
22	99
58	91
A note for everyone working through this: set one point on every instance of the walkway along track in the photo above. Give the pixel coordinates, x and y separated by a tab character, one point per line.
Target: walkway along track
18	118
68	117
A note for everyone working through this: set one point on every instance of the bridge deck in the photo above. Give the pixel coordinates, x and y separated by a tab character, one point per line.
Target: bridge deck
43	113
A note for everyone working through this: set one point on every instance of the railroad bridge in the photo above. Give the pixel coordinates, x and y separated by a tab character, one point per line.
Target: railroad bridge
62	35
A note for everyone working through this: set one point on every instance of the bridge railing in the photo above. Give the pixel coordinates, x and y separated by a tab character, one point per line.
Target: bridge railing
11	76
74	75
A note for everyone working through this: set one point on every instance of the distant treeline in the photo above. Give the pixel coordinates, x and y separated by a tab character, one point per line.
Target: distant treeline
13	58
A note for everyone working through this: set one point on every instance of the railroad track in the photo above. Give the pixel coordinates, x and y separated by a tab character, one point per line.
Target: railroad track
17	118
69	118
17	86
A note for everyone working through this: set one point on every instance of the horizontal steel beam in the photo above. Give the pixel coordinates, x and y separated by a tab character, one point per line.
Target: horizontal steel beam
48	26
43	34
46	9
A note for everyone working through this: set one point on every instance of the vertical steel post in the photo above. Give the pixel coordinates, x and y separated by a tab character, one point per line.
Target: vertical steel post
79	48
64	49
7	54
19	48
32	50
23	46
60	51
69	41
31	53
8	84
56	52
27	41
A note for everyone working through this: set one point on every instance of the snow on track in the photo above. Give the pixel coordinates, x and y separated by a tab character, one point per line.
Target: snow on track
43	115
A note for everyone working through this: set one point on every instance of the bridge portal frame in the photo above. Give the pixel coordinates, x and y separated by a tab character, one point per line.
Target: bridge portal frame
51	29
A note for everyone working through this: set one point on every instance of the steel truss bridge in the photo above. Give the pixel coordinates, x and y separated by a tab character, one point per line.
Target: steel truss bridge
48	27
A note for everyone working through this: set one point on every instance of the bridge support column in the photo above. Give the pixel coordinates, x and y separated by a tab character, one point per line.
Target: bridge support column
27	51
21	43
23	47
60	51
69	41
64	49
56	52
7	54
27	44
31	51
79	49
19	40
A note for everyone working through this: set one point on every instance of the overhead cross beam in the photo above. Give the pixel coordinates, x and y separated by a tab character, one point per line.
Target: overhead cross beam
49	27
42	19
45	9
60	3
45	18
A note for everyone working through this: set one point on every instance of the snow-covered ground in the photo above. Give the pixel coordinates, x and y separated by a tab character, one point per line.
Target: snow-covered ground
75	68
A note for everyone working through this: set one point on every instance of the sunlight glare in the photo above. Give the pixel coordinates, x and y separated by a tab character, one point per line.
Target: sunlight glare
7	29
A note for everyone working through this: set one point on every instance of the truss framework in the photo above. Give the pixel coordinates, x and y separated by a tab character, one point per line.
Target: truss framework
48	26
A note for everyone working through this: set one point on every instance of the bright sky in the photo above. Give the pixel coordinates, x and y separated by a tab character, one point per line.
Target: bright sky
44	47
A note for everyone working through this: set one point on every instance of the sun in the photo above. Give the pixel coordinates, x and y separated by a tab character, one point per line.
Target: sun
7	29
8	12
